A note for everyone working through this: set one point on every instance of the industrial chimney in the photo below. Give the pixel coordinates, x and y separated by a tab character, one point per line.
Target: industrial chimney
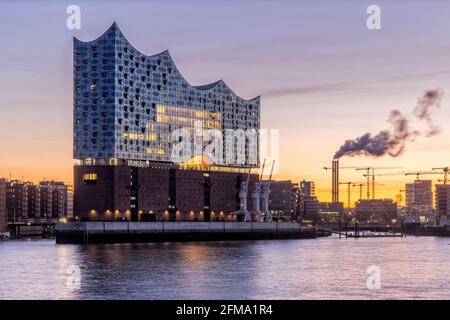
335	181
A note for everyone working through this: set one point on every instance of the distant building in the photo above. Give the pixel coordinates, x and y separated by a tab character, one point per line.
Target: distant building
298	200
443	204
310	209
376	211
69	213
26	201
308	188
54	199
33	201
16	200
331	212
310	204
284	200
419	198
3	184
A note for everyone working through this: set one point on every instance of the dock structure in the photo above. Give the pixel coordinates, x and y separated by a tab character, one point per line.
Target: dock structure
44	229
356	230
164	231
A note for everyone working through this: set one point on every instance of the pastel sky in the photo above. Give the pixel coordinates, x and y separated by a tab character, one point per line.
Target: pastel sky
322	75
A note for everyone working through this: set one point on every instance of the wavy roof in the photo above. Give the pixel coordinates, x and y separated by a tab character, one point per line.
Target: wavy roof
220	83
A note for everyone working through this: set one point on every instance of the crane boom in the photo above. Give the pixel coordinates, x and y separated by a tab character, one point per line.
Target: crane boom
271	171
368	175
262	170
420	173
445	171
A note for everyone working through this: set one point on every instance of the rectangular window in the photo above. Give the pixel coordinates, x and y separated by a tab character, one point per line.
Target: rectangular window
90	178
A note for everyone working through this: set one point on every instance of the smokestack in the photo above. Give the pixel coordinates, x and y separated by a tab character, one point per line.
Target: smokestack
335	181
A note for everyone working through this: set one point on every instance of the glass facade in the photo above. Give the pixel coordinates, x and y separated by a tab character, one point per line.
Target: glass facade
127	104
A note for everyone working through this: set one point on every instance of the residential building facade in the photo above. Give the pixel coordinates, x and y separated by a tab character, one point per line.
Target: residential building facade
3	220
376	211
16	201
331	212
26	201
284	200
419	198
310	203
443	204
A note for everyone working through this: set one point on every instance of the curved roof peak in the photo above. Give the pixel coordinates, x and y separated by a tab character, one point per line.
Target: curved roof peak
116	29
209	85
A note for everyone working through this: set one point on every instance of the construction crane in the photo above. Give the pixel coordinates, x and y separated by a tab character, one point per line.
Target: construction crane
445	171
329	168
370	172
265	191
335	179
420	173
379	175
360	185
243	193
349	185
256	195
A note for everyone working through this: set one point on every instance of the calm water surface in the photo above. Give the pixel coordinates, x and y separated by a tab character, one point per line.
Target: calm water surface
285	269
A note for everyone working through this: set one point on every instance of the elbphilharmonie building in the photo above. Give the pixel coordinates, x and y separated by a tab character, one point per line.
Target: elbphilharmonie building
132	112
127	104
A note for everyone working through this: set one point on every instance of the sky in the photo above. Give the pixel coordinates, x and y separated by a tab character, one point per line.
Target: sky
323	76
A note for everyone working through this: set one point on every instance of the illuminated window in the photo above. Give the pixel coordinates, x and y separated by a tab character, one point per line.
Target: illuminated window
90	178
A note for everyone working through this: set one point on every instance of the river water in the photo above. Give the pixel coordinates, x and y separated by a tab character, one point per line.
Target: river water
325	268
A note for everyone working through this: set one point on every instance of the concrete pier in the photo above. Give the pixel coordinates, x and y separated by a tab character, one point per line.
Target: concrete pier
133	232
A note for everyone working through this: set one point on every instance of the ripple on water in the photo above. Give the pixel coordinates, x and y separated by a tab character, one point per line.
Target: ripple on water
326	268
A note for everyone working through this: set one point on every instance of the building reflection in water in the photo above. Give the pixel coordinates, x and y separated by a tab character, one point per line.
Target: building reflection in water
167	270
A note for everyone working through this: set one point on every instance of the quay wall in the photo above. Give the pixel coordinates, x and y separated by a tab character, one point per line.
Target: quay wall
132	232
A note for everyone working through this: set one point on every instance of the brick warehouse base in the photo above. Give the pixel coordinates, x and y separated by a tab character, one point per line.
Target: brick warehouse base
158	193
142	232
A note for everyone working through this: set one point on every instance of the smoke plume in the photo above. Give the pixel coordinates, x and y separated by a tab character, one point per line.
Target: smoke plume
393	141
430	99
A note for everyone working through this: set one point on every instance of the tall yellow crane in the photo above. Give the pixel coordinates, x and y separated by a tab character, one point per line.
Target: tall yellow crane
379	175
370	173
349	185
360	185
